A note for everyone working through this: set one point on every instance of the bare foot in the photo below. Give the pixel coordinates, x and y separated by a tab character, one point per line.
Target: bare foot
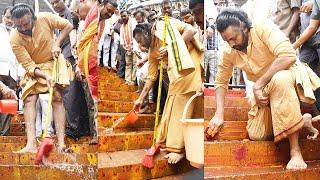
94	140
61	148
174	158
27	149
296	161
308	124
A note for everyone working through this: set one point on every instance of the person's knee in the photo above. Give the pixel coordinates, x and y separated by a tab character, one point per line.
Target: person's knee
57	97
282	77
30	100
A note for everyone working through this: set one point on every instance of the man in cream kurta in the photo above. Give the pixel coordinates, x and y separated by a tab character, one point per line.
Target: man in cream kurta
34	46
183	83
268	58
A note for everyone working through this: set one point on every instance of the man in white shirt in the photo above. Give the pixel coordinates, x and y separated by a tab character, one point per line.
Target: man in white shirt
126	40
9	66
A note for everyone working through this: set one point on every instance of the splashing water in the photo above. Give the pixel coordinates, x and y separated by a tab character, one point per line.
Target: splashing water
71	168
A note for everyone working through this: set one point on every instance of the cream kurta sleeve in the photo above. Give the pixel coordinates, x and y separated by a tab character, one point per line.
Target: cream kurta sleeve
23	56
275	39
225	69
55	21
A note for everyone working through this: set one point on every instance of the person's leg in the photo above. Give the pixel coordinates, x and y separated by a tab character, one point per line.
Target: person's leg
128	70
43	99
59	117
134	68
114	49
105	50
39	118
286	115
30	118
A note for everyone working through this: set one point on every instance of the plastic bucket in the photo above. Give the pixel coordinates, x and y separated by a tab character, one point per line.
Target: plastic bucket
131	117
8	106
193	133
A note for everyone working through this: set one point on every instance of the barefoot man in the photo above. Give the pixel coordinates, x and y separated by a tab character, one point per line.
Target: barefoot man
184	72
268	58
33	44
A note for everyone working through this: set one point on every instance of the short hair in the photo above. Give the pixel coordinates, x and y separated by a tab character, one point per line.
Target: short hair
165	2
185	12
137	12
124	11
232	17
112	2
20	10
193	3
8	8
150	15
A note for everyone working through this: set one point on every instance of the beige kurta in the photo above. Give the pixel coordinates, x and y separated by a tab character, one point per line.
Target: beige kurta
182	86
35	51
283	116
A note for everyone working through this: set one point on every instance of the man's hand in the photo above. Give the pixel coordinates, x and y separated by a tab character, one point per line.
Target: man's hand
9	94
50	81
258	94
56	51
78	73
163	51
215	125
137	105
306	7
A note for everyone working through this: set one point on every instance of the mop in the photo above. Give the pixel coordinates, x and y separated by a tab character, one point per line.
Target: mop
46	145
155	148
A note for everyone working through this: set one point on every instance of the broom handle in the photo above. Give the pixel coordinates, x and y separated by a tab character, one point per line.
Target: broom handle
160	82
49	110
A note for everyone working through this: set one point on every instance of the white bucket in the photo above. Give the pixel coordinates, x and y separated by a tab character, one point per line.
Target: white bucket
193	133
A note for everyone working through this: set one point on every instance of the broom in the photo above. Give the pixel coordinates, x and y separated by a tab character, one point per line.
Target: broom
155	148
46	145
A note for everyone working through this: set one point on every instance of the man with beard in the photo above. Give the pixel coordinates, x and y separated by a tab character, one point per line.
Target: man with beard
269	59
34	46
87	68
8	65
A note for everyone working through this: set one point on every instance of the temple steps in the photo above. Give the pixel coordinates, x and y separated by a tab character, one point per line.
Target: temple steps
117	106
58	171
127	165
121	152
231	155
256	153
108	119
126	139
263	172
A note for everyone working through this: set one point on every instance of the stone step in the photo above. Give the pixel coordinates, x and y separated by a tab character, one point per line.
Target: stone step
263	172
230	92
230	113
236	130
231	130
58	171
118	106
108	119
23	139
210	101
256	153
127	165
76	148
103	86
118	95
9	158
124	139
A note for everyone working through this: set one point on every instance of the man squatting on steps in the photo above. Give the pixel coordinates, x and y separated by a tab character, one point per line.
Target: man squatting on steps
33	44
183	83
269	59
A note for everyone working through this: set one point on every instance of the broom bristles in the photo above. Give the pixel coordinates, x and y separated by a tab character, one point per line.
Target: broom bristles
148	161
